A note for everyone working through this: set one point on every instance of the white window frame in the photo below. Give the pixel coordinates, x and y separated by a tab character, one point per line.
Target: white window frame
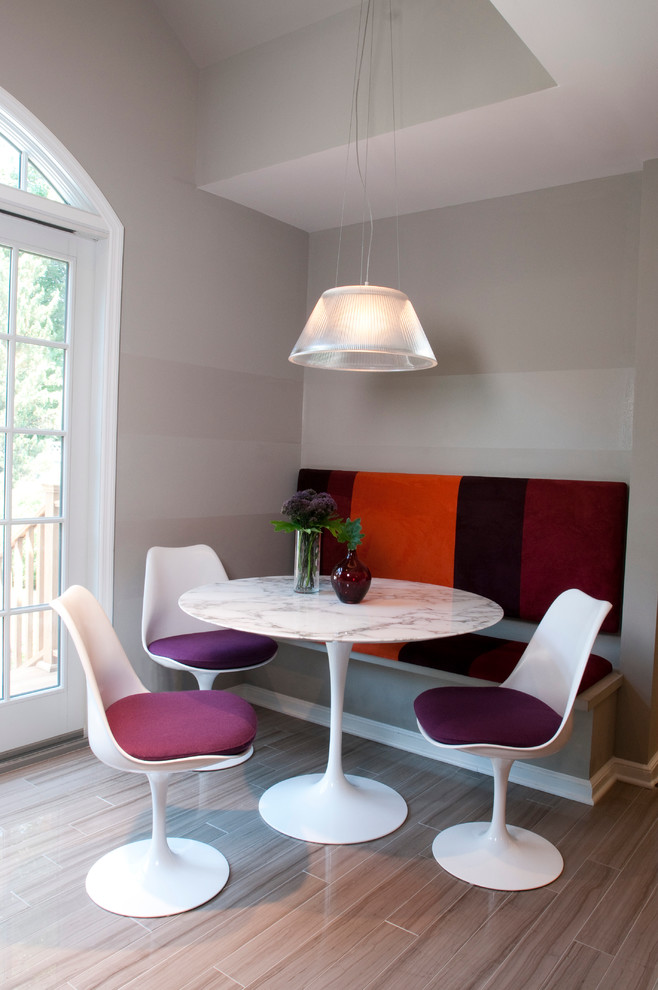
92	217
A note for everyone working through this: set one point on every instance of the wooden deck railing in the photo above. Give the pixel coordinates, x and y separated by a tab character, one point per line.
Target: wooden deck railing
35	581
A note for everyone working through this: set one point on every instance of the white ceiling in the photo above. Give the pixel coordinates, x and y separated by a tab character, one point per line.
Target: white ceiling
600	119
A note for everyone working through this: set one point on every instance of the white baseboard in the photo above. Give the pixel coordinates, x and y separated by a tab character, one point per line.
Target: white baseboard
526	773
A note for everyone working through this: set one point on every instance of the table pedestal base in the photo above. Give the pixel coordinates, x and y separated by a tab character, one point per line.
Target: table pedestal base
317	809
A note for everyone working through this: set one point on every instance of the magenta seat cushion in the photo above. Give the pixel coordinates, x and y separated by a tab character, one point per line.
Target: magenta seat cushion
461	716
217	649
170	725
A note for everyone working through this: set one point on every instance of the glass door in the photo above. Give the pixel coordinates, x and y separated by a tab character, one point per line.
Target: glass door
41	697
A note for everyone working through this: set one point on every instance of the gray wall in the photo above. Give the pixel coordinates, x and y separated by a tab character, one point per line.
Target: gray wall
542	311
213	294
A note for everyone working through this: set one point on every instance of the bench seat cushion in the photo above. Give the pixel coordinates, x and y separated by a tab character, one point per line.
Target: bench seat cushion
473	655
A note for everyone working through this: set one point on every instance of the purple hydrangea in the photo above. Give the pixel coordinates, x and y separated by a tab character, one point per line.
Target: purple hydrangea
310	509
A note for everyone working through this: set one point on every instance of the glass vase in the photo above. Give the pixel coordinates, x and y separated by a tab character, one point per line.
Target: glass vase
351	579
307	563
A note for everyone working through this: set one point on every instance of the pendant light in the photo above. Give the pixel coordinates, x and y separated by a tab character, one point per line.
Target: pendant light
364	327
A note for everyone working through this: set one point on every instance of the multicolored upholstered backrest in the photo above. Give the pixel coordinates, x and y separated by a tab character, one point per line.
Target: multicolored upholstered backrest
518	541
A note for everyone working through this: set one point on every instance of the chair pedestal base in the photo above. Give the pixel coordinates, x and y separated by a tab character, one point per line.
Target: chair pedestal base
515	860
129	882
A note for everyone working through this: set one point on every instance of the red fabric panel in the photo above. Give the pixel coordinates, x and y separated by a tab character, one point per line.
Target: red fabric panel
498	664
573	537
408	523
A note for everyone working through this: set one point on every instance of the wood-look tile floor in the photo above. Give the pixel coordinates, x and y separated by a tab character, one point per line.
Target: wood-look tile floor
295	916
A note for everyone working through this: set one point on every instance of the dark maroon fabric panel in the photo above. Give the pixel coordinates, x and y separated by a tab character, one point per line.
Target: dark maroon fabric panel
312	478
574	536
340	485
489	537
461	716
485	657
217	649
455	654
169	725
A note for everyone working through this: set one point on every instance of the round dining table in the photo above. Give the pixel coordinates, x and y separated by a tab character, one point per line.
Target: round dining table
332	807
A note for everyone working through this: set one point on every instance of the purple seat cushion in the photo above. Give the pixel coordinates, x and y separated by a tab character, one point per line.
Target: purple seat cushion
217	649
170	725
463	716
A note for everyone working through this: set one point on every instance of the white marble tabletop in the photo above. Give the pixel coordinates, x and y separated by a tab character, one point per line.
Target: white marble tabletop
391	612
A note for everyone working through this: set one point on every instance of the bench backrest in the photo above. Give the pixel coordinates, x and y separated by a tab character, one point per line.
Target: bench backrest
518	541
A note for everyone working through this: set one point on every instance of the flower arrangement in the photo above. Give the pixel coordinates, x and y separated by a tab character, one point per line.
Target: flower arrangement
310	513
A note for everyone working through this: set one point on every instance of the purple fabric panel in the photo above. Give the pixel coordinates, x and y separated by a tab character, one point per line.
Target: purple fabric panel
462	716
489	537
217	649
486	657
339	484
173	724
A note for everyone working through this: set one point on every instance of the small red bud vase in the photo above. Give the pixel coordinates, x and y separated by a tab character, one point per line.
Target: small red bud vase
351	579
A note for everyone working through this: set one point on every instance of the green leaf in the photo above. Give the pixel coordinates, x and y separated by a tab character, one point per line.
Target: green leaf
348	531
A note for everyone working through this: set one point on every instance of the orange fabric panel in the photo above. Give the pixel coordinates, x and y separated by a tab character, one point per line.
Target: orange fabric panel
409	523
388	650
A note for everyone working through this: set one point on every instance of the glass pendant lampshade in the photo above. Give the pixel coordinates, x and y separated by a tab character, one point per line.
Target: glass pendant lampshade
363	328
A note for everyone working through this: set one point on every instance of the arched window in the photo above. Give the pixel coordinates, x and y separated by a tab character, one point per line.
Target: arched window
60	264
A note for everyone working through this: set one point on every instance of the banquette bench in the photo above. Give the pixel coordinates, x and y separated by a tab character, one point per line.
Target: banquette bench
517	541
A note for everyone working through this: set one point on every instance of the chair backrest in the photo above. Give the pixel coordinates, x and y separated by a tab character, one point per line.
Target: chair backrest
169	572
554	660
108	671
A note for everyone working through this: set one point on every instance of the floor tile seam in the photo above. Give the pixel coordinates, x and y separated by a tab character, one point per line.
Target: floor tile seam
350	907
489	985
283	961
631	853
368	896
372	983
150	935
634	922
300	947
575	941
238	985
401	928
21	899
432	982
617	879
549	907
212	931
